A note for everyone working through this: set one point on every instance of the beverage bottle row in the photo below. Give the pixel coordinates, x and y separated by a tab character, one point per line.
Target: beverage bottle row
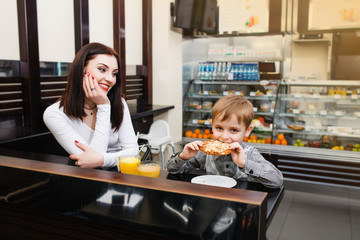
227	71
245	71
213	70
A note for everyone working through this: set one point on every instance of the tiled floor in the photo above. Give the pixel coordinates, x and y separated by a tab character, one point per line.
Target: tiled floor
316	212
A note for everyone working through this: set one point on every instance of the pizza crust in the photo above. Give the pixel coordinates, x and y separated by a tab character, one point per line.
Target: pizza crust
214	147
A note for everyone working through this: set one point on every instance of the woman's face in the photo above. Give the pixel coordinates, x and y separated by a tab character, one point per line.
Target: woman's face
104	69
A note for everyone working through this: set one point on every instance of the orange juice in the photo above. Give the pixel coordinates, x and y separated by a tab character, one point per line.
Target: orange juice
128	165
149	170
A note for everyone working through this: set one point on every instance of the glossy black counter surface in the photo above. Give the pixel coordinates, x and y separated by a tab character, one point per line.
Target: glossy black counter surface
126	204
100	197
143	110
274	196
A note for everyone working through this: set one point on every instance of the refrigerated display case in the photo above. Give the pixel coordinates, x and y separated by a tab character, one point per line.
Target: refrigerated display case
309	129
321	116
203	95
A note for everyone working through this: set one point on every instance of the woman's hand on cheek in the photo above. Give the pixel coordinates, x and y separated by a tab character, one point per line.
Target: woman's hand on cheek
238	155
89	158
93	91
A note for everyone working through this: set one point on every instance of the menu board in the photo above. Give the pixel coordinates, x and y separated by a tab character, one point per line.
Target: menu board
243	16
334	14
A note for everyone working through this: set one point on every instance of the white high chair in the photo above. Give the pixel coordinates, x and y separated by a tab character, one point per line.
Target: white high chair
158	139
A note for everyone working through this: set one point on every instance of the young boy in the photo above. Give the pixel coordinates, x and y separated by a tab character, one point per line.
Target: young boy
232	116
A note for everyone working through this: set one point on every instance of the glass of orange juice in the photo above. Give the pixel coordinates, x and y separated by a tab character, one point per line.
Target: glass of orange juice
129	164
149	170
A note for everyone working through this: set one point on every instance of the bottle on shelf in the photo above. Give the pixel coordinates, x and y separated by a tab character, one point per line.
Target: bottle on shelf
200	70
223	71
228	69
218	71
205	75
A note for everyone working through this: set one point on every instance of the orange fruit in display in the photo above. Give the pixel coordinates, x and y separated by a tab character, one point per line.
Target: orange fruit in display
253	138
194	135
205	136
283	142
200	135
281	136
197	131
277	141
268	140
211	136
207	131
188	133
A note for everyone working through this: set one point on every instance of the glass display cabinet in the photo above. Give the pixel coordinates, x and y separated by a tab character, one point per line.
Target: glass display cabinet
203	94
320	116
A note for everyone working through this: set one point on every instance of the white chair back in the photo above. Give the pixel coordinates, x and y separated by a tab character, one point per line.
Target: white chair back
159	129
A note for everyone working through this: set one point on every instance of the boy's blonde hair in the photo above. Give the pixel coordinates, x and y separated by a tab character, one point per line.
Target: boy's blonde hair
233	104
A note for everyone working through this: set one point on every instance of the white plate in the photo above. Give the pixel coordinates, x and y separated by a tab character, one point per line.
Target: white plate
215	180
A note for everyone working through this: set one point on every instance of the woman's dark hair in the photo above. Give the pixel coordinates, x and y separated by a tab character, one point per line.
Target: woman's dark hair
73	97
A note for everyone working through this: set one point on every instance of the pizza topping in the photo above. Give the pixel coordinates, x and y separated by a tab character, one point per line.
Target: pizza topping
214	147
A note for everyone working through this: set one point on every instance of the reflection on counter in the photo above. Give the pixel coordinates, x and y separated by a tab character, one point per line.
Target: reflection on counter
147	212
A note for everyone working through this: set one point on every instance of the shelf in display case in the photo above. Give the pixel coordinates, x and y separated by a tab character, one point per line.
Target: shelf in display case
205	96
263	113
327	83
236	82
209	111
197	125
327	98
255	130
244	59
258	98
197	110
327	116
316	153
318	132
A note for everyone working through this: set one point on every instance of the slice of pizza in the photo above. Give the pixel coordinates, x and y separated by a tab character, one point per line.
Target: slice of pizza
214	147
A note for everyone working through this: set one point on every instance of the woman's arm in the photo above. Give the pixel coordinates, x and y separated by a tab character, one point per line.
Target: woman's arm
127	140
100	139
67	131
63	129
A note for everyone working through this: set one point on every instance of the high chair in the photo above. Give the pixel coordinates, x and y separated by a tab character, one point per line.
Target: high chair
159	138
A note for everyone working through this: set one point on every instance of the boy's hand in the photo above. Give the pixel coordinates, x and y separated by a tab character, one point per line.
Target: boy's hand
190	150
238	155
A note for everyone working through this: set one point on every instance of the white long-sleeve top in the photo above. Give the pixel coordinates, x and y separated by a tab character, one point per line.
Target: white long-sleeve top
103	139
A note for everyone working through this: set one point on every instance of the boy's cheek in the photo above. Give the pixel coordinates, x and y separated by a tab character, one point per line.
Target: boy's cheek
216	135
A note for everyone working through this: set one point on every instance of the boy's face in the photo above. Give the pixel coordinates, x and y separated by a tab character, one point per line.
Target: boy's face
230	130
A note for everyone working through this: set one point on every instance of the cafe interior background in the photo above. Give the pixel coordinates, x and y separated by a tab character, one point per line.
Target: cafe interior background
311	46
300	42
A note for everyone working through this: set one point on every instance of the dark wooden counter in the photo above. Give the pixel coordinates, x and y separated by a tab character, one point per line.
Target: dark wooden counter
90	202
144	110
142	115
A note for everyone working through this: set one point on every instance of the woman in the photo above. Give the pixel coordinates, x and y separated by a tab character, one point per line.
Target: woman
90	120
